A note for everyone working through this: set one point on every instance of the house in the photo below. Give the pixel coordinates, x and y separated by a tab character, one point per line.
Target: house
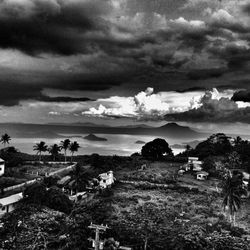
197	166
64	181
106	179
78	196
8	204
2	166
194	164
202	175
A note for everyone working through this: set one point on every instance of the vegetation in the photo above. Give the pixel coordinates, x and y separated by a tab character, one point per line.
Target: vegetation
54	150
184	214
65	146
5	138
53	197
232	190
73	147
156	149
40	147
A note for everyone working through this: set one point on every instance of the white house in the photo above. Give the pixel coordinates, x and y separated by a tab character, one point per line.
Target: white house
7	204
192	159
202	175
195	164
2	166
106	179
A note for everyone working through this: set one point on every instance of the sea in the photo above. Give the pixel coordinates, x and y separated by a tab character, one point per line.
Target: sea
116	144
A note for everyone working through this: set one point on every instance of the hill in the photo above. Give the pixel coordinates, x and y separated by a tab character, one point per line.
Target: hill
92	137
171	130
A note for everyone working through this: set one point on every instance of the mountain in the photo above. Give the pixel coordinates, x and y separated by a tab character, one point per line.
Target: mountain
171	130
140	142
85	124
92	137
135	126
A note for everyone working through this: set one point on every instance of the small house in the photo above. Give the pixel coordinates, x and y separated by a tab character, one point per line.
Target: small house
106	179
8	204
202	175
192	159
194	164
2	166
197	166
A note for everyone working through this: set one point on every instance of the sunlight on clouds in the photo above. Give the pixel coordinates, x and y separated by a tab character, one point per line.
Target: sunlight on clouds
149	105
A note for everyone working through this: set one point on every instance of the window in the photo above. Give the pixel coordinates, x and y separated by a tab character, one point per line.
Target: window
0	169
104	181
3	208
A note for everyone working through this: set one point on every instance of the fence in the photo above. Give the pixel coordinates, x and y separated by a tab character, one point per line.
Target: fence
33	181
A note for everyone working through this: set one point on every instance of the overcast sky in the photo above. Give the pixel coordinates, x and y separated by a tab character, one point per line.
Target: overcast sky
125	60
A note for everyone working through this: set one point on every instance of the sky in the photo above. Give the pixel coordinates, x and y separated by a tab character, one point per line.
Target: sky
125	61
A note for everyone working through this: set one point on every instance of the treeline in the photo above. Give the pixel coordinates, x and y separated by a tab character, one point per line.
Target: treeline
232	152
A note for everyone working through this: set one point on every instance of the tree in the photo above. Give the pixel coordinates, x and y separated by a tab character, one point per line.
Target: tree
216	144
5	139
35	194
232	189
73	147
80	178
40	147
156	149
59	201
233	160
54	151
65	146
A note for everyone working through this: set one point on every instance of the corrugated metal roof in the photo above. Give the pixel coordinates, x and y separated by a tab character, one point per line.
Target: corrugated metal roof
65	180
11	199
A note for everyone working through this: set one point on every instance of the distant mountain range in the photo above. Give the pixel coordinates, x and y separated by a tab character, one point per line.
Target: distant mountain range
171	130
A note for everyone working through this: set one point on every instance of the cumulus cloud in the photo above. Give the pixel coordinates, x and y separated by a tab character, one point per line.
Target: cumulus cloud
214	107
149	105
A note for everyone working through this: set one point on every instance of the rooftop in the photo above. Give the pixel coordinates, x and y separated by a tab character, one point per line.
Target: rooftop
11	199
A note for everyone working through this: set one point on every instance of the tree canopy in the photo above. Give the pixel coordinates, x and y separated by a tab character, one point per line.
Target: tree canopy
156	149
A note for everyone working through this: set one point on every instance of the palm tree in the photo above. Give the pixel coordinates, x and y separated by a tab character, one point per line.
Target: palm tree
80	178
65	146
5	139
73	147
232	190
54	150
40	147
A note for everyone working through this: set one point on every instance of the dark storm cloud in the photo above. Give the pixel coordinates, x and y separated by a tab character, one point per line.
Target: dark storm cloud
191	89
210	115
213	110
205	74
11	94
56	26
79	27
242	95
27	85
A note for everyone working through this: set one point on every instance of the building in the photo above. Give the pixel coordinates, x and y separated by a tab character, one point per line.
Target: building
202	175
194	164
106	179
192	159
8	204
2	166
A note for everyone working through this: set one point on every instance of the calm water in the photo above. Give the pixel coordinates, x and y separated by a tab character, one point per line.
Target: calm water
116	144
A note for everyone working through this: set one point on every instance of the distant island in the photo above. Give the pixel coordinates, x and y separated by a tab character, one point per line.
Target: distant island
140	142
92	137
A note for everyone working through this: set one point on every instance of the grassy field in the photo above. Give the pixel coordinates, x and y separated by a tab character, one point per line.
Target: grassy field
169	210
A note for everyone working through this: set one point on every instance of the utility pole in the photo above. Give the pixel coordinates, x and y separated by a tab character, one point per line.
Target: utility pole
97	229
